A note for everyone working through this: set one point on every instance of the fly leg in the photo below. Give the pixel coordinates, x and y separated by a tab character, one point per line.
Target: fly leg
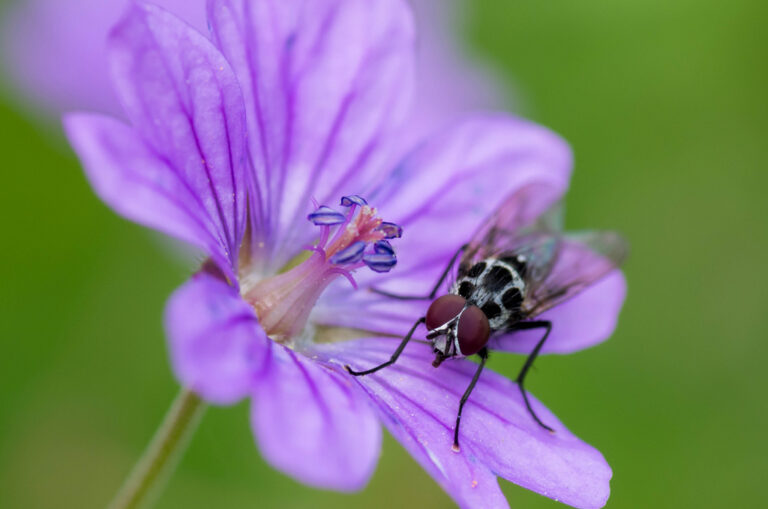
439	283
395	355
535	324
483	357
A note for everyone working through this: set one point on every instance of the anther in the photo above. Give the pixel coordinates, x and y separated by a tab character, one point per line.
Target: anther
380	262
348	201
360	237
326	216
391	230
383	247
351	254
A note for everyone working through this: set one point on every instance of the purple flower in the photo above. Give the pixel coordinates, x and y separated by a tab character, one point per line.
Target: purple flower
231	139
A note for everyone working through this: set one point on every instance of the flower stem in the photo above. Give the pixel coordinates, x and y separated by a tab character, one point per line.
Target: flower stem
163	453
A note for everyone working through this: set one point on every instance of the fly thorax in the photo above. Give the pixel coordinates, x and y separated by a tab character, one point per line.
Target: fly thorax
496	286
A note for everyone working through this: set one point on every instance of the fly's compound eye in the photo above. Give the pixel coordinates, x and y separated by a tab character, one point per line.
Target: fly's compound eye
474	331
443	310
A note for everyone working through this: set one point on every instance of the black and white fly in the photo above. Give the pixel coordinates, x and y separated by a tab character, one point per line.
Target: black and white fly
517	265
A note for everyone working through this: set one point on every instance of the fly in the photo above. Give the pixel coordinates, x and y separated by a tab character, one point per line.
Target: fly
516	266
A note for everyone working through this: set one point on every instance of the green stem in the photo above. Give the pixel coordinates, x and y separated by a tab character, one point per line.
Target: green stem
162	454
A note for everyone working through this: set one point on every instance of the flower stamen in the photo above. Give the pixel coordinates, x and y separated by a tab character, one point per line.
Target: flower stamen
283	302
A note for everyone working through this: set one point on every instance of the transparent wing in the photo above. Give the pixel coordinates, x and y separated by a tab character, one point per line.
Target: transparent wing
527	228
575	262
526	212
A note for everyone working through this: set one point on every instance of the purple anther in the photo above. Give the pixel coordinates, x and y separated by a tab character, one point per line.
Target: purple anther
391	230
351	254
326	216
383	247
380	262
355	199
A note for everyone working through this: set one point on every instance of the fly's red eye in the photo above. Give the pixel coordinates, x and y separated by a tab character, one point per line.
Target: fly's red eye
474	331
443	310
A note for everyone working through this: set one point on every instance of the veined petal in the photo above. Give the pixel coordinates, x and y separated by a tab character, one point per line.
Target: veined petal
215	341
184	100
140	185
313	423
448	84
440	195
55	51
418	404
585	320
326	80
444	190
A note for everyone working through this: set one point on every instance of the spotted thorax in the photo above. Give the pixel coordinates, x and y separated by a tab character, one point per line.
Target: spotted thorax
496	288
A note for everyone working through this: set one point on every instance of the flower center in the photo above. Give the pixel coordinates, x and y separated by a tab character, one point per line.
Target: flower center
348	241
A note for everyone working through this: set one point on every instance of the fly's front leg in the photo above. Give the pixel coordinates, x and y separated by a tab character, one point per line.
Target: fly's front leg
434	291
483	357
395	355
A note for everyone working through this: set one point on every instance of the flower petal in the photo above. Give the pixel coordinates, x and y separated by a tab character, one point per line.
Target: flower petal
585	320
440	195
140	185
184	100
314	424
449	84
55	50
327	81
215	341
418	404
443	191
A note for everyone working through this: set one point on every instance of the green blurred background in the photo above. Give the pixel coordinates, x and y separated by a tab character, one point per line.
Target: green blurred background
665	106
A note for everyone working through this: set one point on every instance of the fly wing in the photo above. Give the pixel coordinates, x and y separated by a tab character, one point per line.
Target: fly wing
556	266
578	261
524	212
